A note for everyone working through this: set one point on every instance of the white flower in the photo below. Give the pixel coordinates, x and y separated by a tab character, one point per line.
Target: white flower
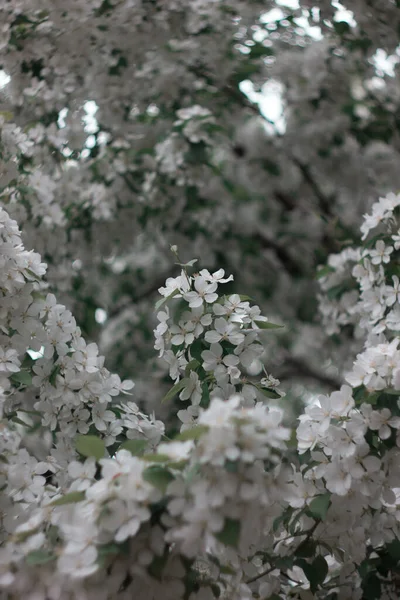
9	361
177	451
381	254
101	416
182	333
192	389
79	565
178	284
212	357
393	293
337	477
216	277
224	331
82	473
204	292
396	239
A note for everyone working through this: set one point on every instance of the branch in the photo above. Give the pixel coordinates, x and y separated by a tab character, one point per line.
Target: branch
296	366
291	266
325	202
142	292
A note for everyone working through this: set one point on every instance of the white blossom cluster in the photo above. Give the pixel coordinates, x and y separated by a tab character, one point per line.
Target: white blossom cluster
174	144
224	502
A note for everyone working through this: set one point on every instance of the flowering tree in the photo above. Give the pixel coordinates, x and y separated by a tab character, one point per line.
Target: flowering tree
142	127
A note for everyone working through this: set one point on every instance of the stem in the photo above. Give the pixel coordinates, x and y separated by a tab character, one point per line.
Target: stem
266	572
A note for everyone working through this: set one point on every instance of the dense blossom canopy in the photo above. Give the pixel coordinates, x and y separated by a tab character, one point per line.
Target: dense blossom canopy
252	456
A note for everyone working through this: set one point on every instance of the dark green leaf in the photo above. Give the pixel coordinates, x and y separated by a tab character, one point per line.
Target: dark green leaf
230	533
267	325
318	507
156	567
165	299
341	27
196	349
90	445
393	549
53	375
371	587
135	447
108	549
22	377
315	572
193	365
392	392
178	387
158	476
306	549
269	392
324	271
205	396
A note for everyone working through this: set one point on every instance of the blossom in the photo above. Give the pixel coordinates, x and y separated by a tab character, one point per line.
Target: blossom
9	360
204	292
381	254
223	330
393	293
79	565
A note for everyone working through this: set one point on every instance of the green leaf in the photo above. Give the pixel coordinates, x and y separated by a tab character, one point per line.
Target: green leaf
337	290
196	349
268	392
318	507
230	533
90	445
165	299
191	366
392	392
393	549
372	398
259	50
22	377
157	458
306	549
31	274
271	166
205	395
135	447
371	587
178	387
267	325
70	498
157	565
53	375
231	466
19	421
158	476
321	569
324	271
227	570
192	434
39	557
315	572
108	549
341	27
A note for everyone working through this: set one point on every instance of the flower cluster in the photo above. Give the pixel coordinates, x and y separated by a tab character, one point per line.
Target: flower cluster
213	344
